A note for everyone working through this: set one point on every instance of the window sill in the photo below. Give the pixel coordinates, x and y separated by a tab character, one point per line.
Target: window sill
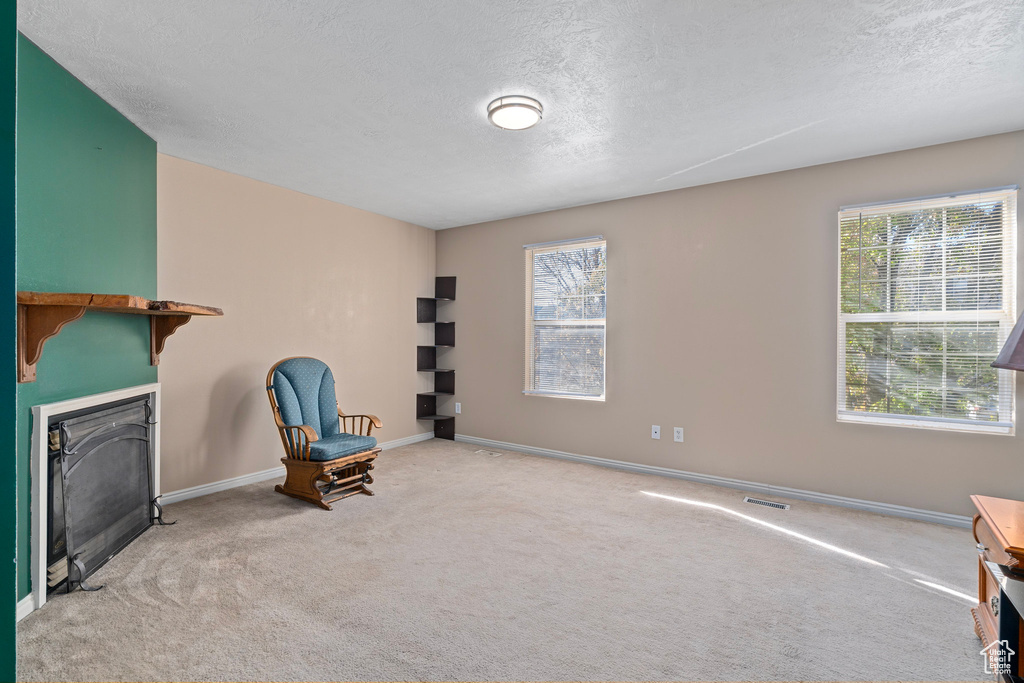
569	396
1000	428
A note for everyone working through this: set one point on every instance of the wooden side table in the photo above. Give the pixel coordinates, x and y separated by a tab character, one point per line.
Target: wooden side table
999	532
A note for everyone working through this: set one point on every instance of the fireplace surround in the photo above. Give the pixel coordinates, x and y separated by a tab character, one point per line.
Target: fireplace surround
82	442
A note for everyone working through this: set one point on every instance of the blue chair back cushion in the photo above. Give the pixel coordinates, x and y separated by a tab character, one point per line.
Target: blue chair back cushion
304	389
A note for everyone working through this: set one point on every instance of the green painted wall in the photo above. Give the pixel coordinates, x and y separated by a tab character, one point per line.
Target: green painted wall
8	434
86	223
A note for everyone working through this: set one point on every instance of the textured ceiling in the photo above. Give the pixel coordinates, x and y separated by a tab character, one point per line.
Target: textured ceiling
381	105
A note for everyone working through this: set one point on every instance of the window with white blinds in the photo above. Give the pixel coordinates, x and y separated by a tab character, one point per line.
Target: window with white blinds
565	319
927	296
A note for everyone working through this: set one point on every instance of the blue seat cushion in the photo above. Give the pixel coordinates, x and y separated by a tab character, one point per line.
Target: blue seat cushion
340	445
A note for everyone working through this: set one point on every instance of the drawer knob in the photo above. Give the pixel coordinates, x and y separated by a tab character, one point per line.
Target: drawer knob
994	602
981	548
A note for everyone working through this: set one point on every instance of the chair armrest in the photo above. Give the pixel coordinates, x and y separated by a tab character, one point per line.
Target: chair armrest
296	439
308	431
365	421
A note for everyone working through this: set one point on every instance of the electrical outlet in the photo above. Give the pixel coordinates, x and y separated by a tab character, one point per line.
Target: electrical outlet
677	434
655	432
458	410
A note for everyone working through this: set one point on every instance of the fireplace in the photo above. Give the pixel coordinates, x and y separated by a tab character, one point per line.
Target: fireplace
95	484
101	487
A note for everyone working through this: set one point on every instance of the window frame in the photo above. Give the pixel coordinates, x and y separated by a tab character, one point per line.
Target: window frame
1005	317
531	323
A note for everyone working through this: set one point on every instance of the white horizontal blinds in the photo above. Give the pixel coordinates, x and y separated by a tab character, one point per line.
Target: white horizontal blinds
926	300
565	319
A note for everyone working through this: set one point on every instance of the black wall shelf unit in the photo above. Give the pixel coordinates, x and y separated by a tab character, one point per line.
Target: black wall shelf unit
426	359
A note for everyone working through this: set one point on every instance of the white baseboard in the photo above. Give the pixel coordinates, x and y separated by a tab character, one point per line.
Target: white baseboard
753	487
415	438
272	473
222	485
25	607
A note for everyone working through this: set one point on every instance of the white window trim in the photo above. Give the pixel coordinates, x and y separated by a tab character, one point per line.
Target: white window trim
936	423
530	322
1007	408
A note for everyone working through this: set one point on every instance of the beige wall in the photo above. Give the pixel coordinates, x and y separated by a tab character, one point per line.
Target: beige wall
722	320
295	275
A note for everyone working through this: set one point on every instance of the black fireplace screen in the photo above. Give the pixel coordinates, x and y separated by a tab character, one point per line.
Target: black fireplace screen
101	487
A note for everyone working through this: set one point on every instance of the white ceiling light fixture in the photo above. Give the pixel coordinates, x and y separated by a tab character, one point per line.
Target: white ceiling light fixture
515	112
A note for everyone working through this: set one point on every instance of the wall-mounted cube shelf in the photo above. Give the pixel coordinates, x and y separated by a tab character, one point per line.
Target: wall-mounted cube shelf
426	359
444	334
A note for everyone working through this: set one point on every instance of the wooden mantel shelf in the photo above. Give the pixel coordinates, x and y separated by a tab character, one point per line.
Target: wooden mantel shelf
41	315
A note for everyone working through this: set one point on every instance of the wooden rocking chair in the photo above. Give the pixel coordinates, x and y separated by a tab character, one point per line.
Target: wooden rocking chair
327	456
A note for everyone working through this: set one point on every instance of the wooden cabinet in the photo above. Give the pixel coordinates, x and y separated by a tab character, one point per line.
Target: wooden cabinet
999	533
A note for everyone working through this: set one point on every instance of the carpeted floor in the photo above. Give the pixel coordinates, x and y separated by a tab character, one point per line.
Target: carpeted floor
468	566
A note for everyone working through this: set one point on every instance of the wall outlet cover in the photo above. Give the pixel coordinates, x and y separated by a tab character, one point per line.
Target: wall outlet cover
655	432
677	434
458	408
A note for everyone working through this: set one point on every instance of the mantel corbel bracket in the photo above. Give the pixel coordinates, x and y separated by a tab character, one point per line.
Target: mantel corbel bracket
160	328
36	324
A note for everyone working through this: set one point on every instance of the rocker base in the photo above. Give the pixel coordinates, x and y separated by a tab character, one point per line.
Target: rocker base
318	482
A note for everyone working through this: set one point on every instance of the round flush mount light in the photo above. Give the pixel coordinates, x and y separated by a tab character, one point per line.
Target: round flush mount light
515	112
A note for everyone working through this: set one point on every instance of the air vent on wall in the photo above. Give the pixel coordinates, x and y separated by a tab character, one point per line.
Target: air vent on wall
766	503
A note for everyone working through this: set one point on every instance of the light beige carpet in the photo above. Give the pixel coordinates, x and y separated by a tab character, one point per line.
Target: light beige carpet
466	566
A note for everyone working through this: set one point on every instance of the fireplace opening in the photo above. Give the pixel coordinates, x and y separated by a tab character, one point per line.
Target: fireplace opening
101	488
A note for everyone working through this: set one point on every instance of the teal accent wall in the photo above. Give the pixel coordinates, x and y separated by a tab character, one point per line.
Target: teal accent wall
86	223
8	433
